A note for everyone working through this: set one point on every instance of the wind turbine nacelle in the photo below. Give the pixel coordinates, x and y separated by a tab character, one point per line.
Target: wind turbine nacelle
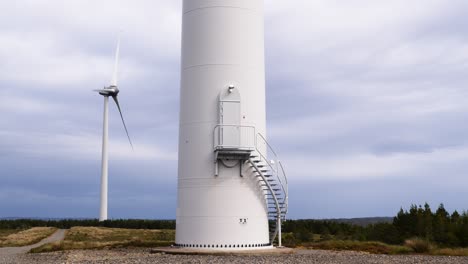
109	91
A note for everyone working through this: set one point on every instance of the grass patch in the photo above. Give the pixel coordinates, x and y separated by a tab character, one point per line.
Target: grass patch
450	252
411	246
101	237
18	238
6	232
370	247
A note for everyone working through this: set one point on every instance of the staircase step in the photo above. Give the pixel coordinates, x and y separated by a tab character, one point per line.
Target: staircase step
265	174
272	199
274	214
258	162
271	184
279	198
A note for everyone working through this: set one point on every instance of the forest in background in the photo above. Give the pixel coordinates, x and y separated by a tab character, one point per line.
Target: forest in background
439	227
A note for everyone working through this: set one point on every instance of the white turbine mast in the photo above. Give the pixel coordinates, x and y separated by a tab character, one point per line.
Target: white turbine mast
232	189
111	91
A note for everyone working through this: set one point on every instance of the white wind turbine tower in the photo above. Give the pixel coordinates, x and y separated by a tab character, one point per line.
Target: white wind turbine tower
232	188
111	91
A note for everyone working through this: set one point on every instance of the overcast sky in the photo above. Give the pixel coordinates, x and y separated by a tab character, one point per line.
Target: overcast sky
367	105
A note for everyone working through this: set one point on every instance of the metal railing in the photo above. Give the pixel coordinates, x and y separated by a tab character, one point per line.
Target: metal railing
234	137
244	138
270	158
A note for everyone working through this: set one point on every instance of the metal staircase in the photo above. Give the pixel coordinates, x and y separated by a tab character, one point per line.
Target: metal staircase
274	184
252	149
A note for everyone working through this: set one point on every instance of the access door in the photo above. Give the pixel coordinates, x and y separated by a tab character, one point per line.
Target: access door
230	124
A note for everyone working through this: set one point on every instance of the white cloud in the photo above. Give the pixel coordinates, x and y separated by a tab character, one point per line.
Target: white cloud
80	146
42	61
56	46
368	166
16	104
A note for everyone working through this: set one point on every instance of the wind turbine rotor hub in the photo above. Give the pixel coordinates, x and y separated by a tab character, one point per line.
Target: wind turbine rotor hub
109	91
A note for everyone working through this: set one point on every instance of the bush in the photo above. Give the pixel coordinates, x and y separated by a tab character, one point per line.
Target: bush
289	240
419	245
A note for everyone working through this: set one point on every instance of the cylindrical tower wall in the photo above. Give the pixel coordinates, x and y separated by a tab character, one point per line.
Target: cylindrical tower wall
222	45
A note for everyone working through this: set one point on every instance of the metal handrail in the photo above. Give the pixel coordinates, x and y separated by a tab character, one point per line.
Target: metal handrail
268	144
279	174
277	162
217	138
266	183
276	159
251	141
287	189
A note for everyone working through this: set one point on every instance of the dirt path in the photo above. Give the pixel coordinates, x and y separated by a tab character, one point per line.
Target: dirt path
7	254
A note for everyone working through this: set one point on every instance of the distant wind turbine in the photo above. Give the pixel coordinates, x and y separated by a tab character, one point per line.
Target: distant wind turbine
111	91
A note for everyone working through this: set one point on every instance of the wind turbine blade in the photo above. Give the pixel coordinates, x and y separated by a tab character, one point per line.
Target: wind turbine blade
123	121
116	64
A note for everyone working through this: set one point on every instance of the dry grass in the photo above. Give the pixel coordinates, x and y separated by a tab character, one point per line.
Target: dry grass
6	232
101	237
419	245
370	247
450	252
26	237
103	234
412	246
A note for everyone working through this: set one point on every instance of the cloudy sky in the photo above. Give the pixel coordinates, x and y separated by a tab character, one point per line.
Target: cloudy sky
376	91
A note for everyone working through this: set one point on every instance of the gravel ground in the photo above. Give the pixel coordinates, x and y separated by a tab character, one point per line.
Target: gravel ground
300	256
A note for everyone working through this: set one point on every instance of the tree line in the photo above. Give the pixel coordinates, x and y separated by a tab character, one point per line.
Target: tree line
68	223
439	227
